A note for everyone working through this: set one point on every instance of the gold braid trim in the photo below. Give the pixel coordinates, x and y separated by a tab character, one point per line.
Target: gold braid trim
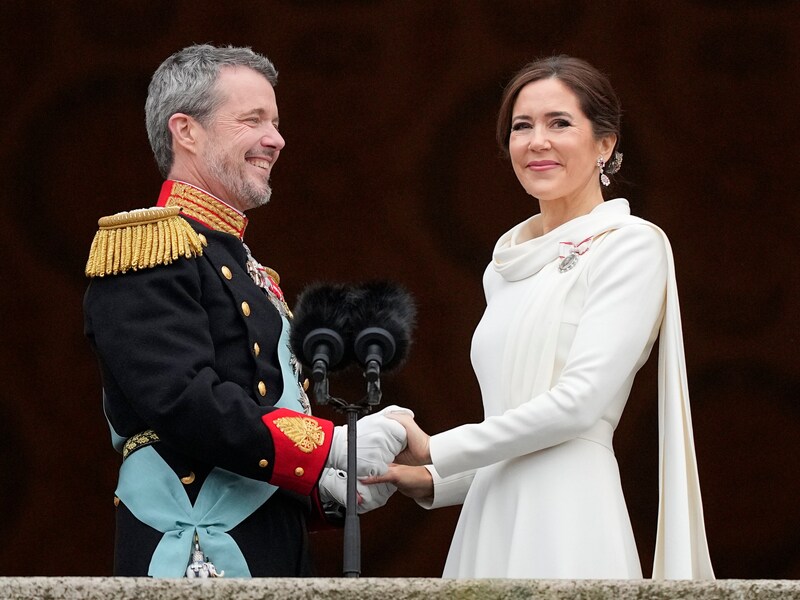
206	209
141	239
139	440
306	433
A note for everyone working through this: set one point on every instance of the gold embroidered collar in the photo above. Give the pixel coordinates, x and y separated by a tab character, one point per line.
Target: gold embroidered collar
203	207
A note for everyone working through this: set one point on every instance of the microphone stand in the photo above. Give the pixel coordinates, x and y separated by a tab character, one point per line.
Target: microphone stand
351	562
368	318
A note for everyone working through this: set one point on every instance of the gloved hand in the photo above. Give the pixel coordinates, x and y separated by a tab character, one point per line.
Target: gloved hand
378	441
333	488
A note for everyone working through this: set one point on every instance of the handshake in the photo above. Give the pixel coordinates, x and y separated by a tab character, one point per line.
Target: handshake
380	439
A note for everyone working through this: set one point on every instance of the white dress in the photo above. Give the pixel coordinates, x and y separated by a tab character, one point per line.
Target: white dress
555	355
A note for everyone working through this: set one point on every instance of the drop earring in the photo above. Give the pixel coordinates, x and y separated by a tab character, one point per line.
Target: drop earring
601	163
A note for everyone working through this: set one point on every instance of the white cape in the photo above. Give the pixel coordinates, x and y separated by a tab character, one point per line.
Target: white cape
530	370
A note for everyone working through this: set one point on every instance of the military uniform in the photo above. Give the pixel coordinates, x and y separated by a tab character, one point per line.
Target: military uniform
201	393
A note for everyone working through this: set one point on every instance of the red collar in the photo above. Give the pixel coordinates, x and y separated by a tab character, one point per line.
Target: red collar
202	207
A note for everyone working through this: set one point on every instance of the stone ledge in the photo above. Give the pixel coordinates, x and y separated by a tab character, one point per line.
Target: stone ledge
124	588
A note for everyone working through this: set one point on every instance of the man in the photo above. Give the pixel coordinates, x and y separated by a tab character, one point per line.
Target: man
222	462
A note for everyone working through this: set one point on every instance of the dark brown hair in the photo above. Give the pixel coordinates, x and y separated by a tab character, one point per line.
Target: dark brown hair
596	97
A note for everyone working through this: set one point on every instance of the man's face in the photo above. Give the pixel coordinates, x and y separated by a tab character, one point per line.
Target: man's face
242	142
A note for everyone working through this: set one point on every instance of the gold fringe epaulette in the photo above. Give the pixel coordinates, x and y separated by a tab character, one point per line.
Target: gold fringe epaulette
141	239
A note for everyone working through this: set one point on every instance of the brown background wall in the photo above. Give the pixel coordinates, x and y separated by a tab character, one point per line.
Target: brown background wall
391	171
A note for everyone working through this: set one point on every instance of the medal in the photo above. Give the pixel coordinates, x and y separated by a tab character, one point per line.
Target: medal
263	279
267	280
569	253
200	567
569	261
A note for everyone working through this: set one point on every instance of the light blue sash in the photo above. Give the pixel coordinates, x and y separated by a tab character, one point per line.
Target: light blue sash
153	493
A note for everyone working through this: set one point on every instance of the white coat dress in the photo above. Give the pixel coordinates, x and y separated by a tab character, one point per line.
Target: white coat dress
555	355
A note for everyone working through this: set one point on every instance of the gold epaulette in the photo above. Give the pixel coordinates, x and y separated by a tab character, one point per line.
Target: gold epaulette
141	239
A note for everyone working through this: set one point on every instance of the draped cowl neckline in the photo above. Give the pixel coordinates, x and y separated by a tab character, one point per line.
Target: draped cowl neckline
681	547
516	260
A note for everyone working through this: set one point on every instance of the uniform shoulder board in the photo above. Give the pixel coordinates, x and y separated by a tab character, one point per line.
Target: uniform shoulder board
141	239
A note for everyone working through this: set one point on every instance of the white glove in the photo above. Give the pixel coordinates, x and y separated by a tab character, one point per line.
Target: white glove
378	441
374	496
333	488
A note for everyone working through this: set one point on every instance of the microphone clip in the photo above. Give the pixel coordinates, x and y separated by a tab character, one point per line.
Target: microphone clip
374	346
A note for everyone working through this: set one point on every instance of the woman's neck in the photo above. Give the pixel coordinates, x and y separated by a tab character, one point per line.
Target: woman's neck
555	213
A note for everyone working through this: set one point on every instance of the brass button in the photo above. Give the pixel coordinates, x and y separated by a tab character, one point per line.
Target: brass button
203	239
245	309
263	463
305	384
256	349
299	471
116	501
262	388
226	272
188	479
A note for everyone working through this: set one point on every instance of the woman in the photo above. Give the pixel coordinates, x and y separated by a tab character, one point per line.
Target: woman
576	297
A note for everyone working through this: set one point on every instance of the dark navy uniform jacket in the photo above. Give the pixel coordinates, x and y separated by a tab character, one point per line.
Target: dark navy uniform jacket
189	350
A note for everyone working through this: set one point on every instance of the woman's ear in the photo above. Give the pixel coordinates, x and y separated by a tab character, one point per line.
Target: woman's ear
605	145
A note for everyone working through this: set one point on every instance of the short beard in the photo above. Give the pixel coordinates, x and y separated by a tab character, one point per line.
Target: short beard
251	196
242	192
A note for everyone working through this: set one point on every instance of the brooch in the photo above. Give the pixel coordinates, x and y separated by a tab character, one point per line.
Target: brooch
569	253
568	261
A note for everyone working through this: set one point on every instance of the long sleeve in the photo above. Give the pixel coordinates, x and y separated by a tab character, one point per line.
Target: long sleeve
613	334
447	491
192	355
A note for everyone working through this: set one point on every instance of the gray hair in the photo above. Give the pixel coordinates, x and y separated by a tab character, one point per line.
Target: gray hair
185	83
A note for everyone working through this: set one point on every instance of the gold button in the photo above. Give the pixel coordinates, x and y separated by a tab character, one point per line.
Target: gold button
305	384
262	388
263	463
116	501
245	309
188	479
256	349
203	239
226	272
299	471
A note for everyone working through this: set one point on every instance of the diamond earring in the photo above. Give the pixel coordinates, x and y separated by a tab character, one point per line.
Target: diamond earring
601	163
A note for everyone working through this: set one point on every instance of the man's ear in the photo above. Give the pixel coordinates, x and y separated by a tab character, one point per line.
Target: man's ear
185	132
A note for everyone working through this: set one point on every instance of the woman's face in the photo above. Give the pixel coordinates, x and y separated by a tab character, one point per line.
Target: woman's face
552	144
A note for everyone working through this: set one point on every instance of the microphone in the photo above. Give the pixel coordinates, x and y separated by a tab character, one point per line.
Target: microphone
321	328
382	317
326	318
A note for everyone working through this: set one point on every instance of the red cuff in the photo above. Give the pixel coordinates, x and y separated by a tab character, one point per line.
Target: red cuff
301	446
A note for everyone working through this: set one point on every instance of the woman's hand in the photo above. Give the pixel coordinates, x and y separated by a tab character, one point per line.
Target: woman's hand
417	451
414	482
